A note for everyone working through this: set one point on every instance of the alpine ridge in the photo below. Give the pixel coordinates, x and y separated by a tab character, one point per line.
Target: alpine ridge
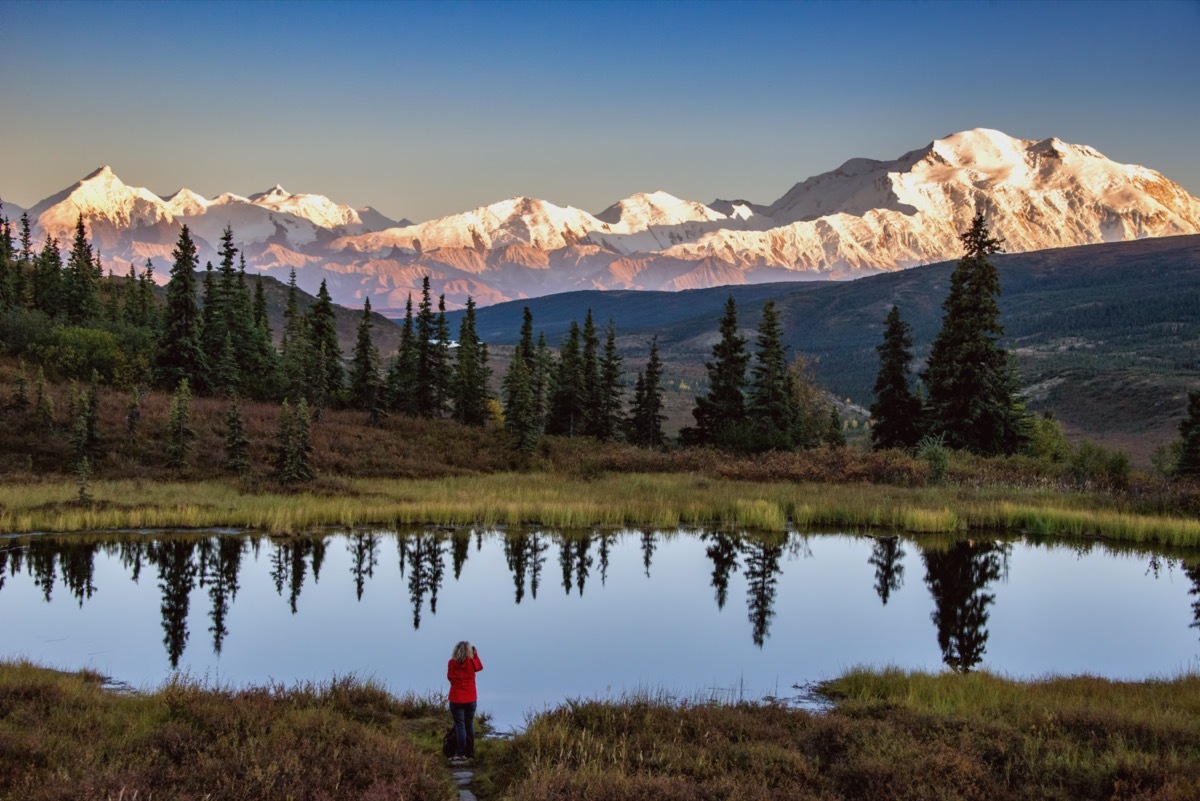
866	216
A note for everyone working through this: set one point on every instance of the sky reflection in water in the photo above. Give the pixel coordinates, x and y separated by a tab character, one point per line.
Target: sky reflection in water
593	613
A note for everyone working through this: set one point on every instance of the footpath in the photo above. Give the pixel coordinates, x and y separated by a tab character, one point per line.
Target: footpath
462	777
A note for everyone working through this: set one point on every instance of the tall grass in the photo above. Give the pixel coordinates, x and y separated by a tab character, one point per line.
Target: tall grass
657	500
63	736
891	735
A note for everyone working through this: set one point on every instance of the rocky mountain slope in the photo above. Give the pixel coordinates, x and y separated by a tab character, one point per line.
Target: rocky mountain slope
865	217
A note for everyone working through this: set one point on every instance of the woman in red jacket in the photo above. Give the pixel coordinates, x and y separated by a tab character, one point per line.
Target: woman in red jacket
464	664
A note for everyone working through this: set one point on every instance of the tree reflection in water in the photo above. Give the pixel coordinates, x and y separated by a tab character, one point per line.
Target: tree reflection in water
958	574
364	549
723	550
176	579
1192	570
762	556
957	577
886	555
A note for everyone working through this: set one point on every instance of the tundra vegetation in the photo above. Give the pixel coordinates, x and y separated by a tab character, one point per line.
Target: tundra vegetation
889	734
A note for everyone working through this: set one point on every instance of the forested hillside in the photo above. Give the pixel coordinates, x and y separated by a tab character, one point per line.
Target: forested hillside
1105	336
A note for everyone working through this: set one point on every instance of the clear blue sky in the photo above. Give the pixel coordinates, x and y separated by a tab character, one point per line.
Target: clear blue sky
423	109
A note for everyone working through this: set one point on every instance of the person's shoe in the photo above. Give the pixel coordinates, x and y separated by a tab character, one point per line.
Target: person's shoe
457	760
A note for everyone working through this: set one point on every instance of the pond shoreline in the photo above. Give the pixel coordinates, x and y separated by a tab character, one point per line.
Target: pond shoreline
609	500
894	733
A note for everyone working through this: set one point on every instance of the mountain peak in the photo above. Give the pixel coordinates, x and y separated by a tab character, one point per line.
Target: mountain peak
275	193
100	172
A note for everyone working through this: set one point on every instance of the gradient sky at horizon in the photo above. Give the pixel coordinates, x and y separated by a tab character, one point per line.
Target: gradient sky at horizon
426	109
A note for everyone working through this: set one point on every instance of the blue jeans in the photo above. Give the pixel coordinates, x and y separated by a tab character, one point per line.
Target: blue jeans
464	727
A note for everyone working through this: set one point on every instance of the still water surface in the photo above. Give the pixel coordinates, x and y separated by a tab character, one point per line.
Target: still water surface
591	614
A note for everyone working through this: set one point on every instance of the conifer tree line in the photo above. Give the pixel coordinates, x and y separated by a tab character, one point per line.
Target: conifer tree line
970	399
211	336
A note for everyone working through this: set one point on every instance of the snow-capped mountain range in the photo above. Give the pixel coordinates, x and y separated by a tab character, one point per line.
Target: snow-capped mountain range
864	217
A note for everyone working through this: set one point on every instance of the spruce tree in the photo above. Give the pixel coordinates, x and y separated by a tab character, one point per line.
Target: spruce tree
237	444
321	325
833	435
432	357
180	356
896	410
260	309
133	416
366	387
141	309
8	266
1189	431
973	400
520	411
43	404
293	461
469	391
645	428
80	285
294	357
85	427
608	416
568	398
591	401
772	410
20	395
47	279
443	369
180	433
402	373
724	407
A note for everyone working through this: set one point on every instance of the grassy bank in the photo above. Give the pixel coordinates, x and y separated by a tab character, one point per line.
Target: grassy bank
62	736
609	499
890	735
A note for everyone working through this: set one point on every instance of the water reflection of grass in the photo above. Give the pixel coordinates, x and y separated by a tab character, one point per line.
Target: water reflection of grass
890	734
658	500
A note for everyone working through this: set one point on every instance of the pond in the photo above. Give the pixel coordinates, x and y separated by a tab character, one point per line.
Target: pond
592	614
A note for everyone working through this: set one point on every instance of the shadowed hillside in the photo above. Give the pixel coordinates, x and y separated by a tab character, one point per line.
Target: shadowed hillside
1106	336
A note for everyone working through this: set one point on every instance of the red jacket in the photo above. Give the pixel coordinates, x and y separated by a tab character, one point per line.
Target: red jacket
462	679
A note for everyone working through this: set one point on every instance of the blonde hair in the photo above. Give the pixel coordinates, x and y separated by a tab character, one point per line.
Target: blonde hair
462	652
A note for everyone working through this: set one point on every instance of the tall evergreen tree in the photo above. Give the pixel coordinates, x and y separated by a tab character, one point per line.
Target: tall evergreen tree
366	386
180	355
8	266
772	409
141	309
1189	430
45	285
521	417
541	379
591	377
402	373
85	431
425	385
972	388
237	444
293	462
180	434
469	393
443	369
294	357
606	424
80	286
214	334
566	415
896	410
321	324
260	309
645	428
724	407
